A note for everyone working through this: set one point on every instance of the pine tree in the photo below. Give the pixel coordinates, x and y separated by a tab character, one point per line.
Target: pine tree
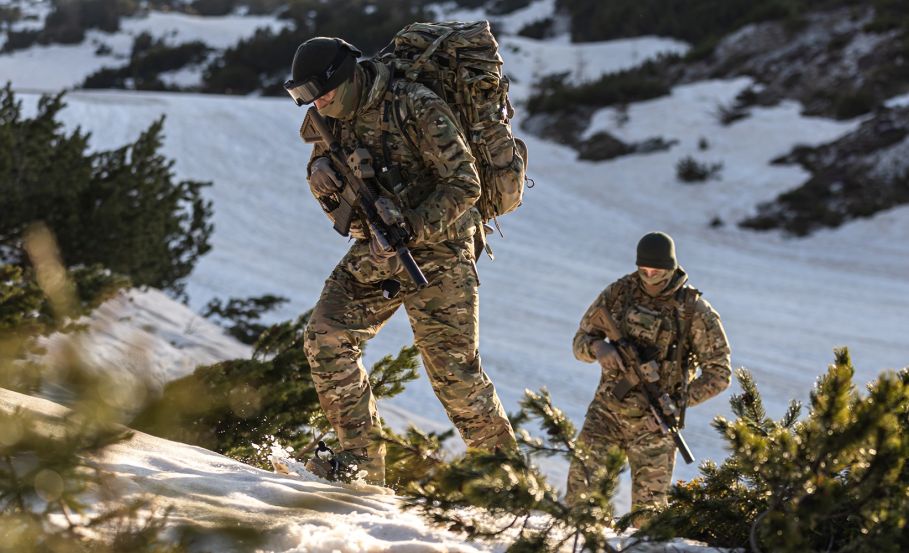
121	209
833	481
241	316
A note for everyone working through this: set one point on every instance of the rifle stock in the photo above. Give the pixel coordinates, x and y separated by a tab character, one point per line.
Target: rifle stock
357	194
632	361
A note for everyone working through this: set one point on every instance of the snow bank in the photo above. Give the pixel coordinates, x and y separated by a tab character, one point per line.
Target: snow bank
297	515
145	335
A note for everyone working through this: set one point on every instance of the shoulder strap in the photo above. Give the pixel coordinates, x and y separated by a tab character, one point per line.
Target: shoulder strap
392	103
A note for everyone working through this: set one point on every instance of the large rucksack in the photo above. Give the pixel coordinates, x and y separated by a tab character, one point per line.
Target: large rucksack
461	63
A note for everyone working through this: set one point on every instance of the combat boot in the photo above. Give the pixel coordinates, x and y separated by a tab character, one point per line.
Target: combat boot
346	466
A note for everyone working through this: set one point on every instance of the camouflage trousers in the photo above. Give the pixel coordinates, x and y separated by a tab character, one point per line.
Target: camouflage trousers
651	454
445	321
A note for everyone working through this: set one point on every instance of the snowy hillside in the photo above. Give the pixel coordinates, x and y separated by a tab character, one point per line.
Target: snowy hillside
146	336
785	303
294	515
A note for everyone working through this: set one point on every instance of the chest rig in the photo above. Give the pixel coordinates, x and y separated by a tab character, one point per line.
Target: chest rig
660	328
380	134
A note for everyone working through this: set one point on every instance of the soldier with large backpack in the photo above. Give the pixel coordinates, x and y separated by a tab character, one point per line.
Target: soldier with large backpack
439	168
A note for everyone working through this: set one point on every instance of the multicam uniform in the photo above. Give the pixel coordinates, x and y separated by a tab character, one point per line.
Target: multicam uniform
437	191
653	324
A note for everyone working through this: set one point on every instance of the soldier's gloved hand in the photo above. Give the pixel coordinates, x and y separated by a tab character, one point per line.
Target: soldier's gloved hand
608	357
376	253
323	178
668	406
391	215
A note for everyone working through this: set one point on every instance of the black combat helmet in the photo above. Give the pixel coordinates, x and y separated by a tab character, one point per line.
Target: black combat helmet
319	66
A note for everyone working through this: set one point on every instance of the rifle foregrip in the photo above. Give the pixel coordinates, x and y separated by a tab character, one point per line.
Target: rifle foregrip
407	260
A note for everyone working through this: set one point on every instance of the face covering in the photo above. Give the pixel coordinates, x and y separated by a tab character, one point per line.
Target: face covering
346	100
660	278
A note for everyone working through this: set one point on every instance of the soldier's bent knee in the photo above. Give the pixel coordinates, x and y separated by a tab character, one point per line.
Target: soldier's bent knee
323	341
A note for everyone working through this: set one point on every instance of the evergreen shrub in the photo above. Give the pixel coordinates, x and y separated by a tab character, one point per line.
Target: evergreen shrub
122	209
834	480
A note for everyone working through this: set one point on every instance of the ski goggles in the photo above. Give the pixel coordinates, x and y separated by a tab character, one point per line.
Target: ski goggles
305	92
308	90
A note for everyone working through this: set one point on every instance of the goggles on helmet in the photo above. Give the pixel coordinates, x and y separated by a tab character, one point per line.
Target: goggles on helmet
305	92
308	90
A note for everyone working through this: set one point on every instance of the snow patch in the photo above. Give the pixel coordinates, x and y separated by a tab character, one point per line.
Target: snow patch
143	336
898	101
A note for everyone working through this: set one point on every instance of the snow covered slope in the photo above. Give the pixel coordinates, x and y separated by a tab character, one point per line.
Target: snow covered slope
145	336
786	303
296	515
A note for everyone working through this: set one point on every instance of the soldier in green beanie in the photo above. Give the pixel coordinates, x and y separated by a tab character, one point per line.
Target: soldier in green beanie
662	315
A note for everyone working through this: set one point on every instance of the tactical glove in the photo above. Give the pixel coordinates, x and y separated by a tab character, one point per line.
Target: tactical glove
391	216
389	213
323	178
608	357
376	253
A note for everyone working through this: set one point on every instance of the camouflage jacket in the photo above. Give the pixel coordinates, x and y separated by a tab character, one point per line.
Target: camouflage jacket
439	184
653	324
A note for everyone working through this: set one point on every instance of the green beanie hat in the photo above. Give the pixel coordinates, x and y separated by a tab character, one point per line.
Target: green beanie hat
657	250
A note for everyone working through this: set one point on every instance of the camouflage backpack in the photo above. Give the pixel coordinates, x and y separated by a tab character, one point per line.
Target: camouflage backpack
460	62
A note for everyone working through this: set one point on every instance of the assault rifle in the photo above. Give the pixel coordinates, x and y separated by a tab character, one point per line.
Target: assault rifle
645	376
360	193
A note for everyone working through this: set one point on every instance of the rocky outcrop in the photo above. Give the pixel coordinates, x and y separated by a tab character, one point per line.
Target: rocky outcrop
829	61
858	175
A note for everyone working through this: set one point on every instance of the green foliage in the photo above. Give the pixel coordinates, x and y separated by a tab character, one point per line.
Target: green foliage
852	104
490	494
119	208
52	496
555	94
150	57
240	408
240	316
411	457
704	22
834	481
389	375
539	29
691	170
26	313
260	62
